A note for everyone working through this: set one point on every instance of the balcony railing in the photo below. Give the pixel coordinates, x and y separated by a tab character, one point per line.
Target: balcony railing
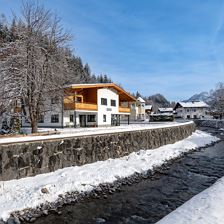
124	110
80	106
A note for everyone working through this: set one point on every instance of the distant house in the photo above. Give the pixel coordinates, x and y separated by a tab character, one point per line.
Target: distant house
138	109
148	109
87	105
189	110
165	110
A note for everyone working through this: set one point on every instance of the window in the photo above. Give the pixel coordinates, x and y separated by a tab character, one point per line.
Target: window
55	100
91	118
104	118
78	99
41	118
71	118
113	103
27	120
55	118
104	101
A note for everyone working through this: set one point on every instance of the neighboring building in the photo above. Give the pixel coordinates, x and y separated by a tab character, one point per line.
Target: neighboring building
148	109
165	110
188	110
87	105
138	109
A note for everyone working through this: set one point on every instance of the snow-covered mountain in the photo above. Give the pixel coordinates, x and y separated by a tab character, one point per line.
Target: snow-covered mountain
157	100
203	96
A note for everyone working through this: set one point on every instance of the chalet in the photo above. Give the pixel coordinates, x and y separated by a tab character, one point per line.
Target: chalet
87	105
138	109
189	110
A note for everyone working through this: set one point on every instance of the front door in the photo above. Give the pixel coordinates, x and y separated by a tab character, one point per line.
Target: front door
82	119
115	120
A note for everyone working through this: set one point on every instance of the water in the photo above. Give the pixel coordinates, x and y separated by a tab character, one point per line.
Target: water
150	200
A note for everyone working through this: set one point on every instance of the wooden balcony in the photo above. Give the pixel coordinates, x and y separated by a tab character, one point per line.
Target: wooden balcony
80	106
124	110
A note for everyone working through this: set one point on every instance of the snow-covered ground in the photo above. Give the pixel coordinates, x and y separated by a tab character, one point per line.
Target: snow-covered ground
204	208
26	192
73	132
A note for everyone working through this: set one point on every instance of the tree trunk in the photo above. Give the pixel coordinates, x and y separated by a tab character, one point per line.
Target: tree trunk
34	126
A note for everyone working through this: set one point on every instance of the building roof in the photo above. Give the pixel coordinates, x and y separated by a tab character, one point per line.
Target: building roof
192	104
165	109
148	107
124	96
140	100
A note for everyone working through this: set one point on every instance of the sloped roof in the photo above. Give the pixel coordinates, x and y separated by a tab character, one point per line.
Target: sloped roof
165	109
148	107
194	104
124	96
140	100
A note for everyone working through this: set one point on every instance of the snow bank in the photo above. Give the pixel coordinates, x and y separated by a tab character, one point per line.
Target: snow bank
204	208
26	192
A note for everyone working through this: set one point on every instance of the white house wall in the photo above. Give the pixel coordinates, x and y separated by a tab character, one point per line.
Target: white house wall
192	112
51	109
138	111
67	114
107	110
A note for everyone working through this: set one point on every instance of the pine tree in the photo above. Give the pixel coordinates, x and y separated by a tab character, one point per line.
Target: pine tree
138	94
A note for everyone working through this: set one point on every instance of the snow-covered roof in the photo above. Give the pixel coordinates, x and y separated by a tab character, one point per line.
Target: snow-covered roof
140	100
194	104
148	107
166	109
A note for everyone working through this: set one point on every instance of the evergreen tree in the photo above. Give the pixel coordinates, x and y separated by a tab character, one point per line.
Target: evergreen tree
105	80
100	78
87	74
138	94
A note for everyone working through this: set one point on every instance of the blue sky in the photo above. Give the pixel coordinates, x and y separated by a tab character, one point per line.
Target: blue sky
172	47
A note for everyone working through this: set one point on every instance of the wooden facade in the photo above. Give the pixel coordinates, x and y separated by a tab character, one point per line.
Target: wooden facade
84	97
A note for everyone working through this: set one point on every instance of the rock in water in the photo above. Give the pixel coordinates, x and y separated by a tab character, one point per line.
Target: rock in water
100	220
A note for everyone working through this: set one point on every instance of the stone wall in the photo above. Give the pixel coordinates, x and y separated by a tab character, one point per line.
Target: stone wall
210	123
29	159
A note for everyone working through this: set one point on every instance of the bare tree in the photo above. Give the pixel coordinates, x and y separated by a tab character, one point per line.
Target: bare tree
36	66
217	98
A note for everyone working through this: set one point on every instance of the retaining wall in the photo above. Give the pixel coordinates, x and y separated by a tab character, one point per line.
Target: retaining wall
210	123
32	158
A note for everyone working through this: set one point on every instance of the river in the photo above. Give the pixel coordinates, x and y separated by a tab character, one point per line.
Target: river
149	200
